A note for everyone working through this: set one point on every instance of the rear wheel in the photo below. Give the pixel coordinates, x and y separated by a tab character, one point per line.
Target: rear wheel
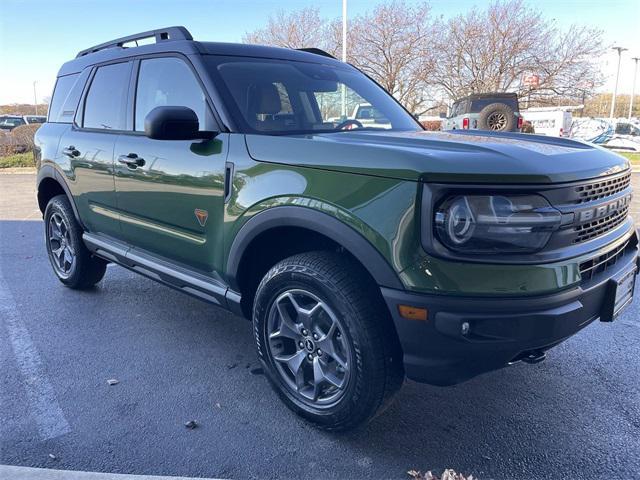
325	340
72	263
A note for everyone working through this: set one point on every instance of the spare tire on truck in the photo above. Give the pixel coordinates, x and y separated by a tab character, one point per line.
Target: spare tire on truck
497	117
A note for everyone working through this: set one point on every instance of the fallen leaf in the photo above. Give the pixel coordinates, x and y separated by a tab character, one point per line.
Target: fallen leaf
52	456
191	424
113	381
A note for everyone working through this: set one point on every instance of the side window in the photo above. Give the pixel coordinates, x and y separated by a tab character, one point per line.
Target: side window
60	93
106	101
623	129
169	82
66	96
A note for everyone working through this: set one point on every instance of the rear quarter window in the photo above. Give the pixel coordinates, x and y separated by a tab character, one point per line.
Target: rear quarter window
66	96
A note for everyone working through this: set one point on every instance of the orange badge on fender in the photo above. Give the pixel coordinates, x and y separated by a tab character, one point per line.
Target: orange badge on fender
202	216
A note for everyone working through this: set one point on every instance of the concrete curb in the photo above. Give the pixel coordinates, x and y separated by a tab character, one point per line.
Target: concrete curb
8	472
16	170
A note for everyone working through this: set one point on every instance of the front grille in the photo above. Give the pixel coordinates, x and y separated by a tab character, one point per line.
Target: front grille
598	227
602	262
602	189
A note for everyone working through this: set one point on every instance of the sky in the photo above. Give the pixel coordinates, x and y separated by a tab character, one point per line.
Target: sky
38	36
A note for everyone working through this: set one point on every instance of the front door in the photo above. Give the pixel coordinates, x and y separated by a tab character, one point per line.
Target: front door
171	199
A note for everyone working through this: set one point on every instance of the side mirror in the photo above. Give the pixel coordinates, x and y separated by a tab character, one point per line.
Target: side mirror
174	123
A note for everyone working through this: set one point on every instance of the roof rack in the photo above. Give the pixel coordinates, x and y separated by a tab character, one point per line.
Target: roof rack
162	34
316	51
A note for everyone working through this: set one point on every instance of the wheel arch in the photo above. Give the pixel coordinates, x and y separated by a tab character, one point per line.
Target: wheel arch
318	230
51	183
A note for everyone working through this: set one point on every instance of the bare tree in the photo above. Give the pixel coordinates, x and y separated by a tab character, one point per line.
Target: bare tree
299	29
392	44
417	58
492	50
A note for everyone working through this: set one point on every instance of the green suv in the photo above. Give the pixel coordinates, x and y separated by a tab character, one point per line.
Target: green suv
361	254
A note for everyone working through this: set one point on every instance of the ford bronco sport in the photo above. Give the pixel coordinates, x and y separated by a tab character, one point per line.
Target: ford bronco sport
361	255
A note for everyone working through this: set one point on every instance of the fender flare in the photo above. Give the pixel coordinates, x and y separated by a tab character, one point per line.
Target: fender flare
48	171
318	222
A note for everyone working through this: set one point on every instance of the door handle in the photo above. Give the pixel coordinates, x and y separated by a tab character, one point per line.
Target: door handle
131	160
71	151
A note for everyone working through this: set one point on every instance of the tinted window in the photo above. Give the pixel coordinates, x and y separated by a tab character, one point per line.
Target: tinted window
107	98
623	129
458	108
278	96
479	104
169	82
60	93
11	122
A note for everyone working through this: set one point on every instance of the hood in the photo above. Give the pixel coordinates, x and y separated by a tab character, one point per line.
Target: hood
457	156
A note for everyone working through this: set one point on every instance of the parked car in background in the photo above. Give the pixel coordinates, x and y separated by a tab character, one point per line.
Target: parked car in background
552	122
35	118
367	115
621	135
626	137
9	122
499	112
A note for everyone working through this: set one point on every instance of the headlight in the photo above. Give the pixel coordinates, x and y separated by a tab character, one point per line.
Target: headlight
496	223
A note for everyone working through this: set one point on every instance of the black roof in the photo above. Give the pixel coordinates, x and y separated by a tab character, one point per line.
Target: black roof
478	96
179	40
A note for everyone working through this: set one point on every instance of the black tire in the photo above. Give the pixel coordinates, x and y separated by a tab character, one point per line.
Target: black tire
374	370
497	117
84	270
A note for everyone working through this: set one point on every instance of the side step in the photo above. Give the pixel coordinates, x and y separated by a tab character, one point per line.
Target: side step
191	282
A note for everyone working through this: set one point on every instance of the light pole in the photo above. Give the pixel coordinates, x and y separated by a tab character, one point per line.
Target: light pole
343	112
615	90
633	85
35	97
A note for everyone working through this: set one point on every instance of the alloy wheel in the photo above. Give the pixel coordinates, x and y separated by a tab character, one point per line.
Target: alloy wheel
61	249
497	121
309	348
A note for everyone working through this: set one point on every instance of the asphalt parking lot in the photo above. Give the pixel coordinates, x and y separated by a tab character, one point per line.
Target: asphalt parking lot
576	415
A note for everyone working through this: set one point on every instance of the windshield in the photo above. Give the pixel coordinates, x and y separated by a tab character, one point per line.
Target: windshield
277	97
11	121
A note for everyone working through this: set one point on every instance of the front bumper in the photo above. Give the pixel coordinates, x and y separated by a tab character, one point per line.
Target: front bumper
500	330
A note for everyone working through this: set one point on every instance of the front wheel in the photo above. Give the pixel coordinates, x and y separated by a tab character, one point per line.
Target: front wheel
325	340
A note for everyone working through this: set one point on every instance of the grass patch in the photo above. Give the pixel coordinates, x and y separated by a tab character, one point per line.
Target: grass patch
634	157
17	160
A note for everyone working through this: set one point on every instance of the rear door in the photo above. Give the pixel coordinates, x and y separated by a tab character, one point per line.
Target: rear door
171	203
86	149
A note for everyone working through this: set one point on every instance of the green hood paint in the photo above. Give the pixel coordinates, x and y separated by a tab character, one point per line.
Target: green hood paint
473	157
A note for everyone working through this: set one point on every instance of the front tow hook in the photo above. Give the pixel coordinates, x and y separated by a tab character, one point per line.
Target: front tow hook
531	357
535	356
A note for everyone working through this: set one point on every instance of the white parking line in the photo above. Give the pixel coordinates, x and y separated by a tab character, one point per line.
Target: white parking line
43	403
8	472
